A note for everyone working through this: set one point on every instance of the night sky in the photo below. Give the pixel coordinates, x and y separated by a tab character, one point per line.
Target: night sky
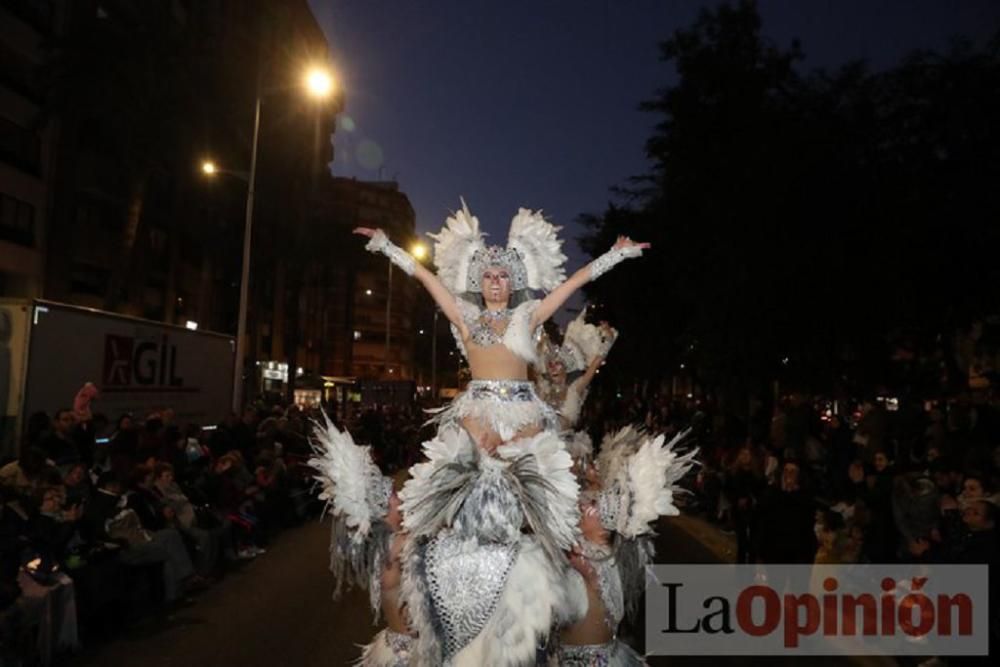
516	103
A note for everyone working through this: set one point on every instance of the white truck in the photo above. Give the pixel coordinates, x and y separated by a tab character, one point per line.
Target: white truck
48	351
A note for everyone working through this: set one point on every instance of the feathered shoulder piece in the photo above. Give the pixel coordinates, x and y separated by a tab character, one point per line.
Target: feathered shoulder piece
454	247
351	484
645	487
536	241
356	494
585	342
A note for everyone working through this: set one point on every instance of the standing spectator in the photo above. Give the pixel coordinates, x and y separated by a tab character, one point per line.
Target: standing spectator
744	485
786	521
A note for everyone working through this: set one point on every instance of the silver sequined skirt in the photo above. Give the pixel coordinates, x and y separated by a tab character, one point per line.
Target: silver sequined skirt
612	654
507	406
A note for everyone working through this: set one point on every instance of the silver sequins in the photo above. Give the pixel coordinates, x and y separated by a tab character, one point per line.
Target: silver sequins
465	579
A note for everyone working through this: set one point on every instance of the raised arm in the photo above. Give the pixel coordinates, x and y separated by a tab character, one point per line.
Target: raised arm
444	299
581	384
623	249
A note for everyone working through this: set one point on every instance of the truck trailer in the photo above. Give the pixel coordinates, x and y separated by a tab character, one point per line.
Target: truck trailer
49	350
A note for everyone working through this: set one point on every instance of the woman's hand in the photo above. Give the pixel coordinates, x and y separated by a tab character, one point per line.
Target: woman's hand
626	242
365	231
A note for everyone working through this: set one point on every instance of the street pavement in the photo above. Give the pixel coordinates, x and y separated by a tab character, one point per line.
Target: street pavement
277	610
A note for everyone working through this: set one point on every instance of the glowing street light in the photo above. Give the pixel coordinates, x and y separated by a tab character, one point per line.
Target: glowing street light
419	251
208	168
319	82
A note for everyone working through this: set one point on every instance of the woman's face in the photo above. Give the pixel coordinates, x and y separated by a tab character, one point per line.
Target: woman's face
556	368
496	285
744	457
972	488
881	461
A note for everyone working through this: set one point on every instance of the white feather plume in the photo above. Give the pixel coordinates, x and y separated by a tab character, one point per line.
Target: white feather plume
554	465
580	446
536	240
454	247
344	471
585	342
652	476
615	450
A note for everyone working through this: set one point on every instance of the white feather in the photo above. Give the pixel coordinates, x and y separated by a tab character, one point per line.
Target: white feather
580	446
535	591
554	465
652	473
536	240
380	652
343	471
615	450
586	342
454	247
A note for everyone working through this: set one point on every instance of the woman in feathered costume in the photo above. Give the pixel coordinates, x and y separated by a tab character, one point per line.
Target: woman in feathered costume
492	511
584	348
615	524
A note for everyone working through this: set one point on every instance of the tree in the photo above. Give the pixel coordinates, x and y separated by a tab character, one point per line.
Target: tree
801	222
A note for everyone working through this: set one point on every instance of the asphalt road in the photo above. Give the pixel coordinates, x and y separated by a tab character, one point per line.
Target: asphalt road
278	611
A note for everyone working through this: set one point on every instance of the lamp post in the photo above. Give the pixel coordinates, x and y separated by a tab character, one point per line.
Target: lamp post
319	84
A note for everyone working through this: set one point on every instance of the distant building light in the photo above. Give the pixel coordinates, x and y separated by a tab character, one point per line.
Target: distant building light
299	371
368	292
192	325
421	332
357	335
690	395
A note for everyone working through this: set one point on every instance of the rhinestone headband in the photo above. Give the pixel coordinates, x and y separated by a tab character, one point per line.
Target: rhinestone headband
507	258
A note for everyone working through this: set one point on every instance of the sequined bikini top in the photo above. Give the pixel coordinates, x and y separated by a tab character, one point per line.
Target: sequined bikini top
484	332
508	327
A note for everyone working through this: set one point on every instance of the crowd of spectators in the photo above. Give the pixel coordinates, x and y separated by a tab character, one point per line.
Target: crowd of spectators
821	482
103	523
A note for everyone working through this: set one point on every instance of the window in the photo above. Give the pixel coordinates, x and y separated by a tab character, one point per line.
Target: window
20	146
17	220
88	279
18	73
36	13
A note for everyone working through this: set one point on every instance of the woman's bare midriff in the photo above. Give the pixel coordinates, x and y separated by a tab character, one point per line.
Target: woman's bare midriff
495	362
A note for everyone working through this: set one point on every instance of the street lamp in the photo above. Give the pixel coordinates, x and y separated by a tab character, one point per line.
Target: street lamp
319	84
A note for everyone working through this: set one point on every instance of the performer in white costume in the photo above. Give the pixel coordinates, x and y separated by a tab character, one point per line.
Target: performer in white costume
614	522
584	348
492	511
366	541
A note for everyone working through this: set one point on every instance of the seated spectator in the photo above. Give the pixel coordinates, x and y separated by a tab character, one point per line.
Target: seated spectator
108	520
141	497
22	477
974	487
59	445
208	533
78	485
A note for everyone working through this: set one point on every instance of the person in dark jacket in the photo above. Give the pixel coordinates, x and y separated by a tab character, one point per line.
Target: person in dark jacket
786	521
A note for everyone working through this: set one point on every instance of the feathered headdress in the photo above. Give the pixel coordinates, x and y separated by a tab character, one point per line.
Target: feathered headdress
533	255
585	342
644	486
